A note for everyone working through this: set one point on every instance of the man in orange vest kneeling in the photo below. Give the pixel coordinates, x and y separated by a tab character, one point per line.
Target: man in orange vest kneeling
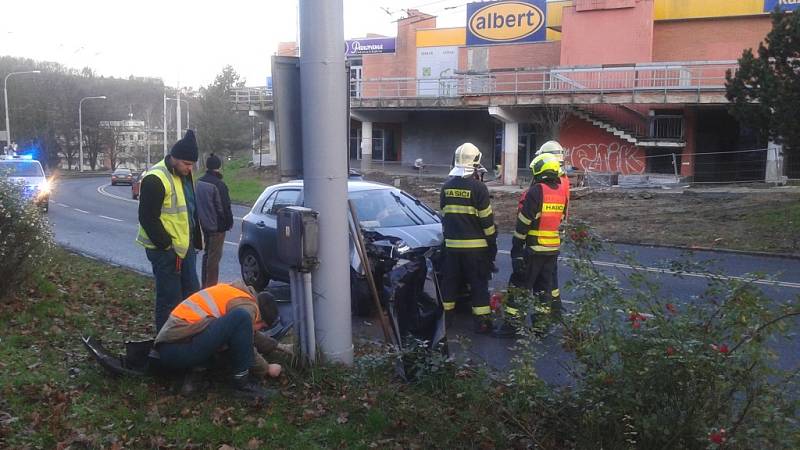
221	317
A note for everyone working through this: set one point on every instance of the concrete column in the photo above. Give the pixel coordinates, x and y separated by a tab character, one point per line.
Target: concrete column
689	135
366	146
510	149
273	150
774	173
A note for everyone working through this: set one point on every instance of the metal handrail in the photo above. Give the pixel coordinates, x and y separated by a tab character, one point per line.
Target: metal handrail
649	77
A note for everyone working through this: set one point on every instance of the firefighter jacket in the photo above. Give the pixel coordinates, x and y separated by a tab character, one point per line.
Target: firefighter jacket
468	223
542	211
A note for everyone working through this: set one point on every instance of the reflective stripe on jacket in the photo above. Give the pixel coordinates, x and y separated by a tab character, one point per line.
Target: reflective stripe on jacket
540	217
468	222
209	302
174	214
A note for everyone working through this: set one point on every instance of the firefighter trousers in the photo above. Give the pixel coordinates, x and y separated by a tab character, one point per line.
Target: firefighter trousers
539	278
462	268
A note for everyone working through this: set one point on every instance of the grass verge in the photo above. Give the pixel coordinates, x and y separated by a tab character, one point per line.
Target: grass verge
54	396
246	183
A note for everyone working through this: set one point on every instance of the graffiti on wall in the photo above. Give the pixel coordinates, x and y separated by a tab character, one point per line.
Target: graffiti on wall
607	158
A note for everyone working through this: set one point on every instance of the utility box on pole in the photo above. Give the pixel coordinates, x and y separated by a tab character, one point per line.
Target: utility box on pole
286	99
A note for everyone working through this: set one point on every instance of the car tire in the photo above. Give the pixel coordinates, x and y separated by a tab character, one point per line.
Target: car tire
253	273
113	183
134	196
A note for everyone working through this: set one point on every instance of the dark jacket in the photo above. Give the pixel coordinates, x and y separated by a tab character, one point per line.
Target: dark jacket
151	198
468	223
213	203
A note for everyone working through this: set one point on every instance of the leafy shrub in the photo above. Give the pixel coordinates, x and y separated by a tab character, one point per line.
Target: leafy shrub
654	371
26	240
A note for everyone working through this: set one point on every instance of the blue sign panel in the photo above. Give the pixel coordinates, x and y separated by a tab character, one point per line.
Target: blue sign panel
506	21
369	46
785	5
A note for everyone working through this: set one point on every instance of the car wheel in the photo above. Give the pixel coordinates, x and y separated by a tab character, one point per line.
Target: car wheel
134	196
113	183
253	273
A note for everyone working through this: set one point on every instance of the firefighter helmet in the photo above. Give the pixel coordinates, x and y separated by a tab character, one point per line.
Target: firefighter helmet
466	159
545	166
554	148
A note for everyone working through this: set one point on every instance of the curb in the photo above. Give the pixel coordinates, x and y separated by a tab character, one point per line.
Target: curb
792	256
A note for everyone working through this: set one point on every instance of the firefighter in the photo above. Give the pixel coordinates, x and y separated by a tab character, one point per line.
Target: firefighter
536	242
470	236
554	148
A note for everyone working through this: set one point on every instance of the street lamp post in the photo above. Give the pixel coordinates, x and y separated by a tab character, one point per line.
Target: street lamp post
80	128
5	96
188	115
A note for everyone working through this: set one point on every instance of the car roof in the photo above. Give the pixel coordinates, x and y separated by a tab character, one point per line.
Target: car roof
352	185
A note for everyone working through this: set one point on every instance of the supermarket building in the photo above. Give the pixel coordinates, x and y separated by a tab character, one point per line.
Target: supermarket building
629	87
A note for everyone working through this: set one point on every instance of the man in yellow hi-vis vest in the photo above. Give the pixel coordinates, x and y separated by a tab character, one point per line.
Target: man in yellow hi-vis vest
168	226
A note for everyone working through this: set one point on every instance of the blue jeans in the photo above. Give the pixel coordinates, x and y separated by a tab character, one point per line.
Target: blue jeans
234	329
172	287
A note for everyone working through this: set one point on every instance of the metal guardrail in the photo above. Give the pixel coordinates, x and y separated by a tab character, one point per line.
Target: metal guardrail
256	96
655	77
669	127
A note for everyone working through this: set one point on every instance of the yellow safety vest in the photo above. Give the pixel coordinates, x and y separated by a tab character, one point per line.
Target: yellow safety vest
174	214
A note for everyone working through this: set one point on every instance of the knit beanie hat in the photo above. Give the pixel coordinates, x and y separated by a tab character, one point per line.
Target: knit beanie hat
213	163
186	148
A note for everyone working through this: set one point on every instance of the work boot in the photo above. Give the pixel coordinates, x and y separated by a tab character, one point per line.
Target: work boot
482	324
245	387
192	381
504	329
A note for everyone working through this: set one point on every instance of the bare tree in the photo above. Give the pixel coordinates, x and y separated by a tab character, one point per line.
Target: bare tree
549	120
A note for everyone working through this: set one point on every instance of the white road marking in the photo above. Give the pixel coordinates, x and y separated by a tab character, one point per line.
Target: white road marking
62	205
111	218
783	284
231	243
80	210
102	191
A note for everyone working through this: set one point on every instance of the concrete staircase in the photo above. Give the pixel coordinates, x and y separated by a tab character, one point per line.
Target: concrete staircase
626	134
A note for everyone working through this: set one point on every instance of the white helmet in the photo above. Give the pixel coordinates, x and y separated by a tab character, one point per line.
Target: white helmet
466	159
552	147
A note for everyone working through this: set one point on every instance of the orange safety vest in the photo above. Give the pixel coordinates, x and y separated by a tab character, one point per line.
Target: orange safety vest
544	236
209	302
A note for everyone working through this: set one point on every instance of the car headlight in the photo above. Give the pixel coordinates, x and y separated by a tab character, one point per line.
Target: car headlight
402	247
43	189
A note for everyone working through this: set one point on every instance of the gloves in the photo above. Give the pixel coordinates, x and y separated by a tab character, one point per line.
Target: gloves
518	266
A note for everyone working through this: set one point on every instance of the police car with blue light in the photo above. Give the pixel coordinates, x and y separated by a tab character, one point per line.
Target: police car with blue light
27	171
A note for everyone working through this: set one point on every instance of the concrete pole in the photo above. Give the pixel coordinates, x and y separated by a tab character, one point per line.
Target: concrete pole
366	146
324	106
165	122
510	149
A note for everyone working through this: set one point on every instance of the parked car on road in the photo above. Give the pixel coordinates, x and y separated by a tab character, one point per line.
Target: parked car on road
122	176
381	208
136	185
28	172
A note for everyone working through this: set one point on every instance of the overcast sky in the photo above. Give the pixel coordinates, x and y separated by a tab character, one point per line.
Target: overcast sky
183	41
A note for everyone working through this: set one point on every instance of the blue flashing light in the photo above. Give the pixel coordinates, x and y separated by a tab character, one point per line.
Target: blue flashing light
28	157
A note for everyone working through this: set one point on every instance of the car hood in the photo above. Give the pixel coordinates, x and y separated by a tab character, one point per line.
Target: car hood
28	181
417	235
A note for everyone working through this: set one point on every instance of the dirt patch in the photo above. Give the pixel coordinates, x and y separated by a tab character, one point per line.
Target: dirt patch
735	218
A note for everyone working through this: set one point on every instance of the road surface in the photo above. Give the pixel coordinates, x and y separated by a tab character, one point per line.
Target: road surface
99	220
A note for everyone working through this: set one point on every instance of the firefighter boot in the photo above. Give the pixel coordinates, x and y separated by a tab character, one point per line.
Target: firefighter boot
482	324
504	329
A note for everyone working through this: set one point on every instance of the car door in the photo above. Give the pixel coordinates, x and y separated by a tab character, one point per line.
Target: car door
280	199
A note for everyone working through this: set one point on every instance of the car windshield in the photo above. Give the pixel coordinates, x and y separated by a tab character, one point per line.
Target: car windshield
21	169
122	172
386	208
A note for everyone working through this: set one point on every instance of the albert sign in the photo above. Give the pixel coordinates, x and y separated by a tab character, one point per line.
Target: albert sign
785	5
506	21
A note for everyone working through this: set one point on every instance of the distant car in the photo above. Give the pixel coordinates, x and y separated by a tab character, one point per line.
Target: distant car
385	209
136	185
29	172
122	176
